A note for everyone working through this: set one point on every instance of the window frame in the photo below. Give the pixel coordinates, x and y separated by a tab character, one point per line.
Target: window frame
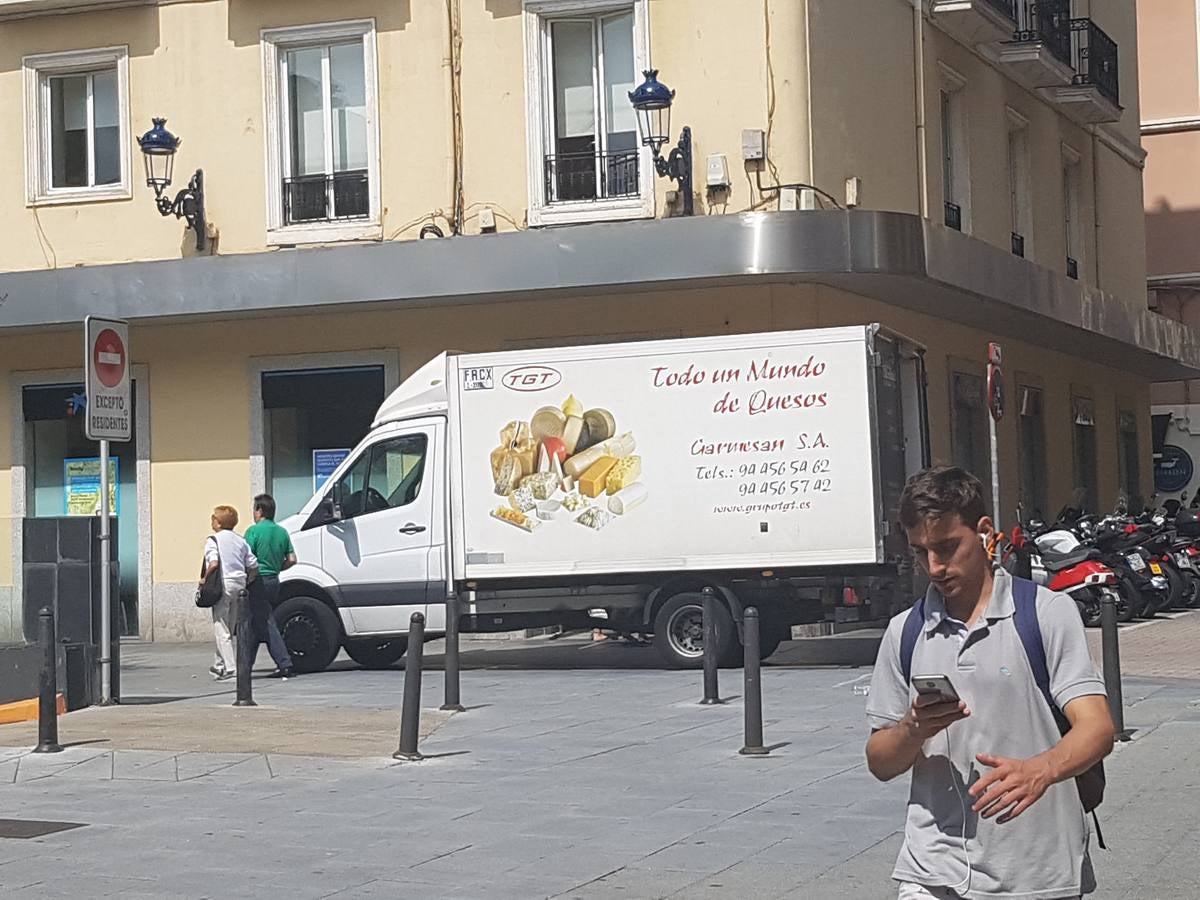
1072	208
1028	474
539	14
37	70
1080	397
956	152
1129	479
1020	179
276	42
970	370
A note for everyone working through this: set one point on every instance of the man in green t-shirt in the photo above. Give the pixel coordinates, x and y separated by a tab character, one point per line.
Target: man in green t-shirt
272	545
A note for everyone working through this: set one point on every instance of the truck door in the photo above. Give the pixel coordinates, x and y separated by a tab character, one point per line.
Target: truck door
378	552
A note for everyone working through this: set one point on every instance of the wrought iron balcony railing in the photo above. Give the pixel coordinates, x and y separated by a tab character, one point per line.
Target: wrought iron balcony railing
1095	58
953	216
591	176
326	198
1048	21
1007	8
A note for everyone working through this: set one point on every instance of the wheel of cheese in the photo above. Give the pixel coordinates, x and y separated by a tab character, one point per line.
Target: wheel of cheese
572	431
548	421
509	475
600	424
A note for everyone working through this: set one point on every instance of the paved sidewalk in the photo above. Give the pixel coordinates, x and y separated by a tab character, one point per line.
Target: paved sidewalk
584	782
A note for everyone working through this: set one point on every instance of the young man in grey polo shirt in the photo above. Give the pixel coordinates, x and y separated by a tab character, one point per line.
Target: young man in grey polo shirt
993	809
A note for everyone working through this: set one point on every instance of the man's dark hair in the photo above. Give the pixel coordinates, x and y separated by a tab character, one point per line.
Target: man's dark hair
265	504
939	491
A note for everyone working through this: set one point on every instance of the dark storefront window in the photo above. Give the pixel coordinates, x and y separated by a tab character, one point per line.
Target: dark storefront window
312	418
1083	413
1128	461
970	443
59	458
1032	450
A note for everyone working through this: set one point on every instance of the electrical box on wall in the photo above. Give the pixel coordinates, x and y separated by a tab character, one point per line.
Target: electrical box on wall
487	220
754	144
853	191
718	171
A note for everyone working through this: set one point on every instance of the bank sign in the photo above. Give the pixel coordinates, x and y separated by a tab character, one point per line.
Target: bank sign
109	411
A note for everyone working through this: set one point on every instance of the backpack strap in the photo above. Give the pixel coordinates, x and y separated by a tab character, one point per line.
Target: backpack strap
908	638
1026	620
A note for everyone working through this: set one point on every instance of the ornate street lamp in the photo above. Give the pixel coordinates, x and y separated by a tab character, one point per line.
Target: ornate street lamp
158	150
652	102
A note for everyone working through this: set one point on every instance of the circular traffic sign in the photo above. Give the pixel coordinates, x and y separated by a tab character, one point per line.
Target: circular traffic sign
995	389
108	358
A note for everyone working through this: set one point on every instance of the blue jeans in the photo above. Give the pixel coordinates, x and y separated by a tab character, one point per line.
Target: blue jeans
263	591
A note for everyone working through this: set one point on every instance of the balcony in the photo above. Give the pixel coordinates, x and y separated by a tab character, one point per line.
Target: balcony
953	218
574	177
1094	94
1038	55
975	22
326	198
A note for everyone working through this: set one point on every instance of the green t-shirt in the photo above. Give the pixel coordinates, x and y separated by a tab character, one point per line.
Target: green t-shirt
271	543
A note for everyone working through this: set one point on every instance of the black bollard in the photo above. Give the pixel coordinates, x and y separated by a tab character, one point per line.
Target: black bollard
453	701
753	674
247	649
1112	662
47	687
712	695
410	712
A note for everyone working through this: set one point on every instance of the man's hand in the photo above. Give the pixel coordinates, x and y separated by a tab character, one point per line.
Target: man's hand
930	715
1011	787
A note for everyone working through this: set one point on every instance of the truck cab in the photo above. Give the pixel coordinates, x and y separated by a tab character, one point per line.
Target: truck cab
371	545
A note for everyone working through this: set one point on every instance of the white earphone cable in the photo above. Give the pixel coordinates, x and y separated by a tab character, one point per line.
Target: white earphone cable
962	799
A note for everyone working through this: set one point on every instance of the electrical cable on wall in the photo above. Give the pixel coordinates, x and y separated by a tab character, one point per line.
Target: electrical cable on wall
454	16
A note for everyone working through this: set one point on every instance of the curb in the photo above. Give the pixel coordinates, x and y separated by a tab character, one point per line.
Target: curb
26	710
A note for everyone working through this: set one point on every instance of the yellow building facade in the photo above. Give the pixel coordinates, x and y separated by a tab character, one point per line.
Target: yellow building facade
387	180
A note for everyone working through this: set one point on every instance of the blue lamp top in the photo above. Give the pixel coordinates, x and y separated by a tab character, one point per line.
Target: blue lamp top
651	93
158	141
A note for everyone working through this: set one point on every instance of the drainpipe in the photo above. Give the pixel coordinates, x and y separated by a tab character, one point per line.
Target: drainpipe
919	103
1096	204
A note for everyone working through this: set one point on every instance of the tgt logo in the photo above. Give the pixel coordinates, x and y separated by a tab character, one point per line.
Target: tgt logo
532	378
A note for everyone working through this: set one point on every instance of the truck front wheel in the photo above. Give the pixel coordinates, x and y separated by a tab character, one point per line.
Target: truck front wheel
373	653
311	631
679	632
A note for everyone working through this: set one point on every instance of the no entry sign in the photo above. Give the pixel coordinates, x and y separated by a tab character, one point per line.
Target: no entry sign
106	359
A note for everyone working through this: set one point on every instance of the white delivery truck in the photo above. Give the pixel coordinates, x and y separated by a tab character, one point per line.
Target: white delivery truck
608	485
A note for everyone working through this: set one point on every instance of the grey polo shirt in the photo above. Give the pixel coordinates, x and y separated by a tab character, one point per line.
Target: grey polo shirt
1044	852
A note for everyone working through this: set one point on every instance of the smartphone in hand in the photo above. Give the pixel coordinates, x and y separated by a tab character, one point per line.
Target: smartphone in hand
937	686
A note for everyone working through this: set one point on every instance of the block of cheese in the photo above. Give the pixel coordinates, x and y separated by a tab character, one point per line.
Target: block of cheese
622	502
619	446
624	473
594	480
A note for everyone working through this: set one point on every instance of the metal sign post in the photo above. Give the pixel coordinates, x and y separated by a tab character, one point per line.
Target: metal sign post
995	401
109	418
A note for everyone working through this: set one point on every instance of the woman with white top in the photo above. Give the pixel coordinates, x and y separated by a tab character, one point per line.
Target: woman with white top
226	550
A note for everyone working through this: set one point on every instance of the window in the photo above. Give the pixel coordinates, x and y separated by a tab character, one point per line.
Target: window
1072	220
586	160
956	183
77	133
970	443
1031	439
387	476
322	132
1128	457
1083	413
1020	214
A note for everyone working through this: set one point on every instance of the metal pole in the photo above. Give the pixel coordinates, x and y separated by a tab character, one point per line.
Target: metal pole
753	686
453	701
410	712
1110	647
995	474
711	693
106	696
247	649
47	687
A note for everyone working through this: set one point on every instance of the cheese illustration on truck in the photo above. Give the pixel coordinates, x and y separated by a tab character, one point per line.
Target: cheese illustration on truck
568	463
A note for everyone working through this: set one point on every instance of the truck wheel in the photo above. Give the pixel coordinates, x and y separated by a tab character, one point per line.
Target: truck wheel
311	631
373	653
679	632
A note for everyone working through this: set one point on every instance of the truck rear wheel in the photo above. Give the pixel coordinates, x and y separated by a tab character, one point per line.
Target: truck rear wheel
311	631
373	653
679	632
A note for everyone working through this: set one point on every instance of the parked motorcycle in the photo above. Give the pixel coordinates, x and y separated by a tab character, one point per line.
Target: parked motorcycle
1058	560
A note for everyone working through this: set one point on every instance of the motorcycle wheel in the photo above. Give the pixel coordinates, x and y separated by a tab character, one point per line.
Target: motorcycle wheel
1088	601
1177	591
1194	600
1191	594
1131	604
